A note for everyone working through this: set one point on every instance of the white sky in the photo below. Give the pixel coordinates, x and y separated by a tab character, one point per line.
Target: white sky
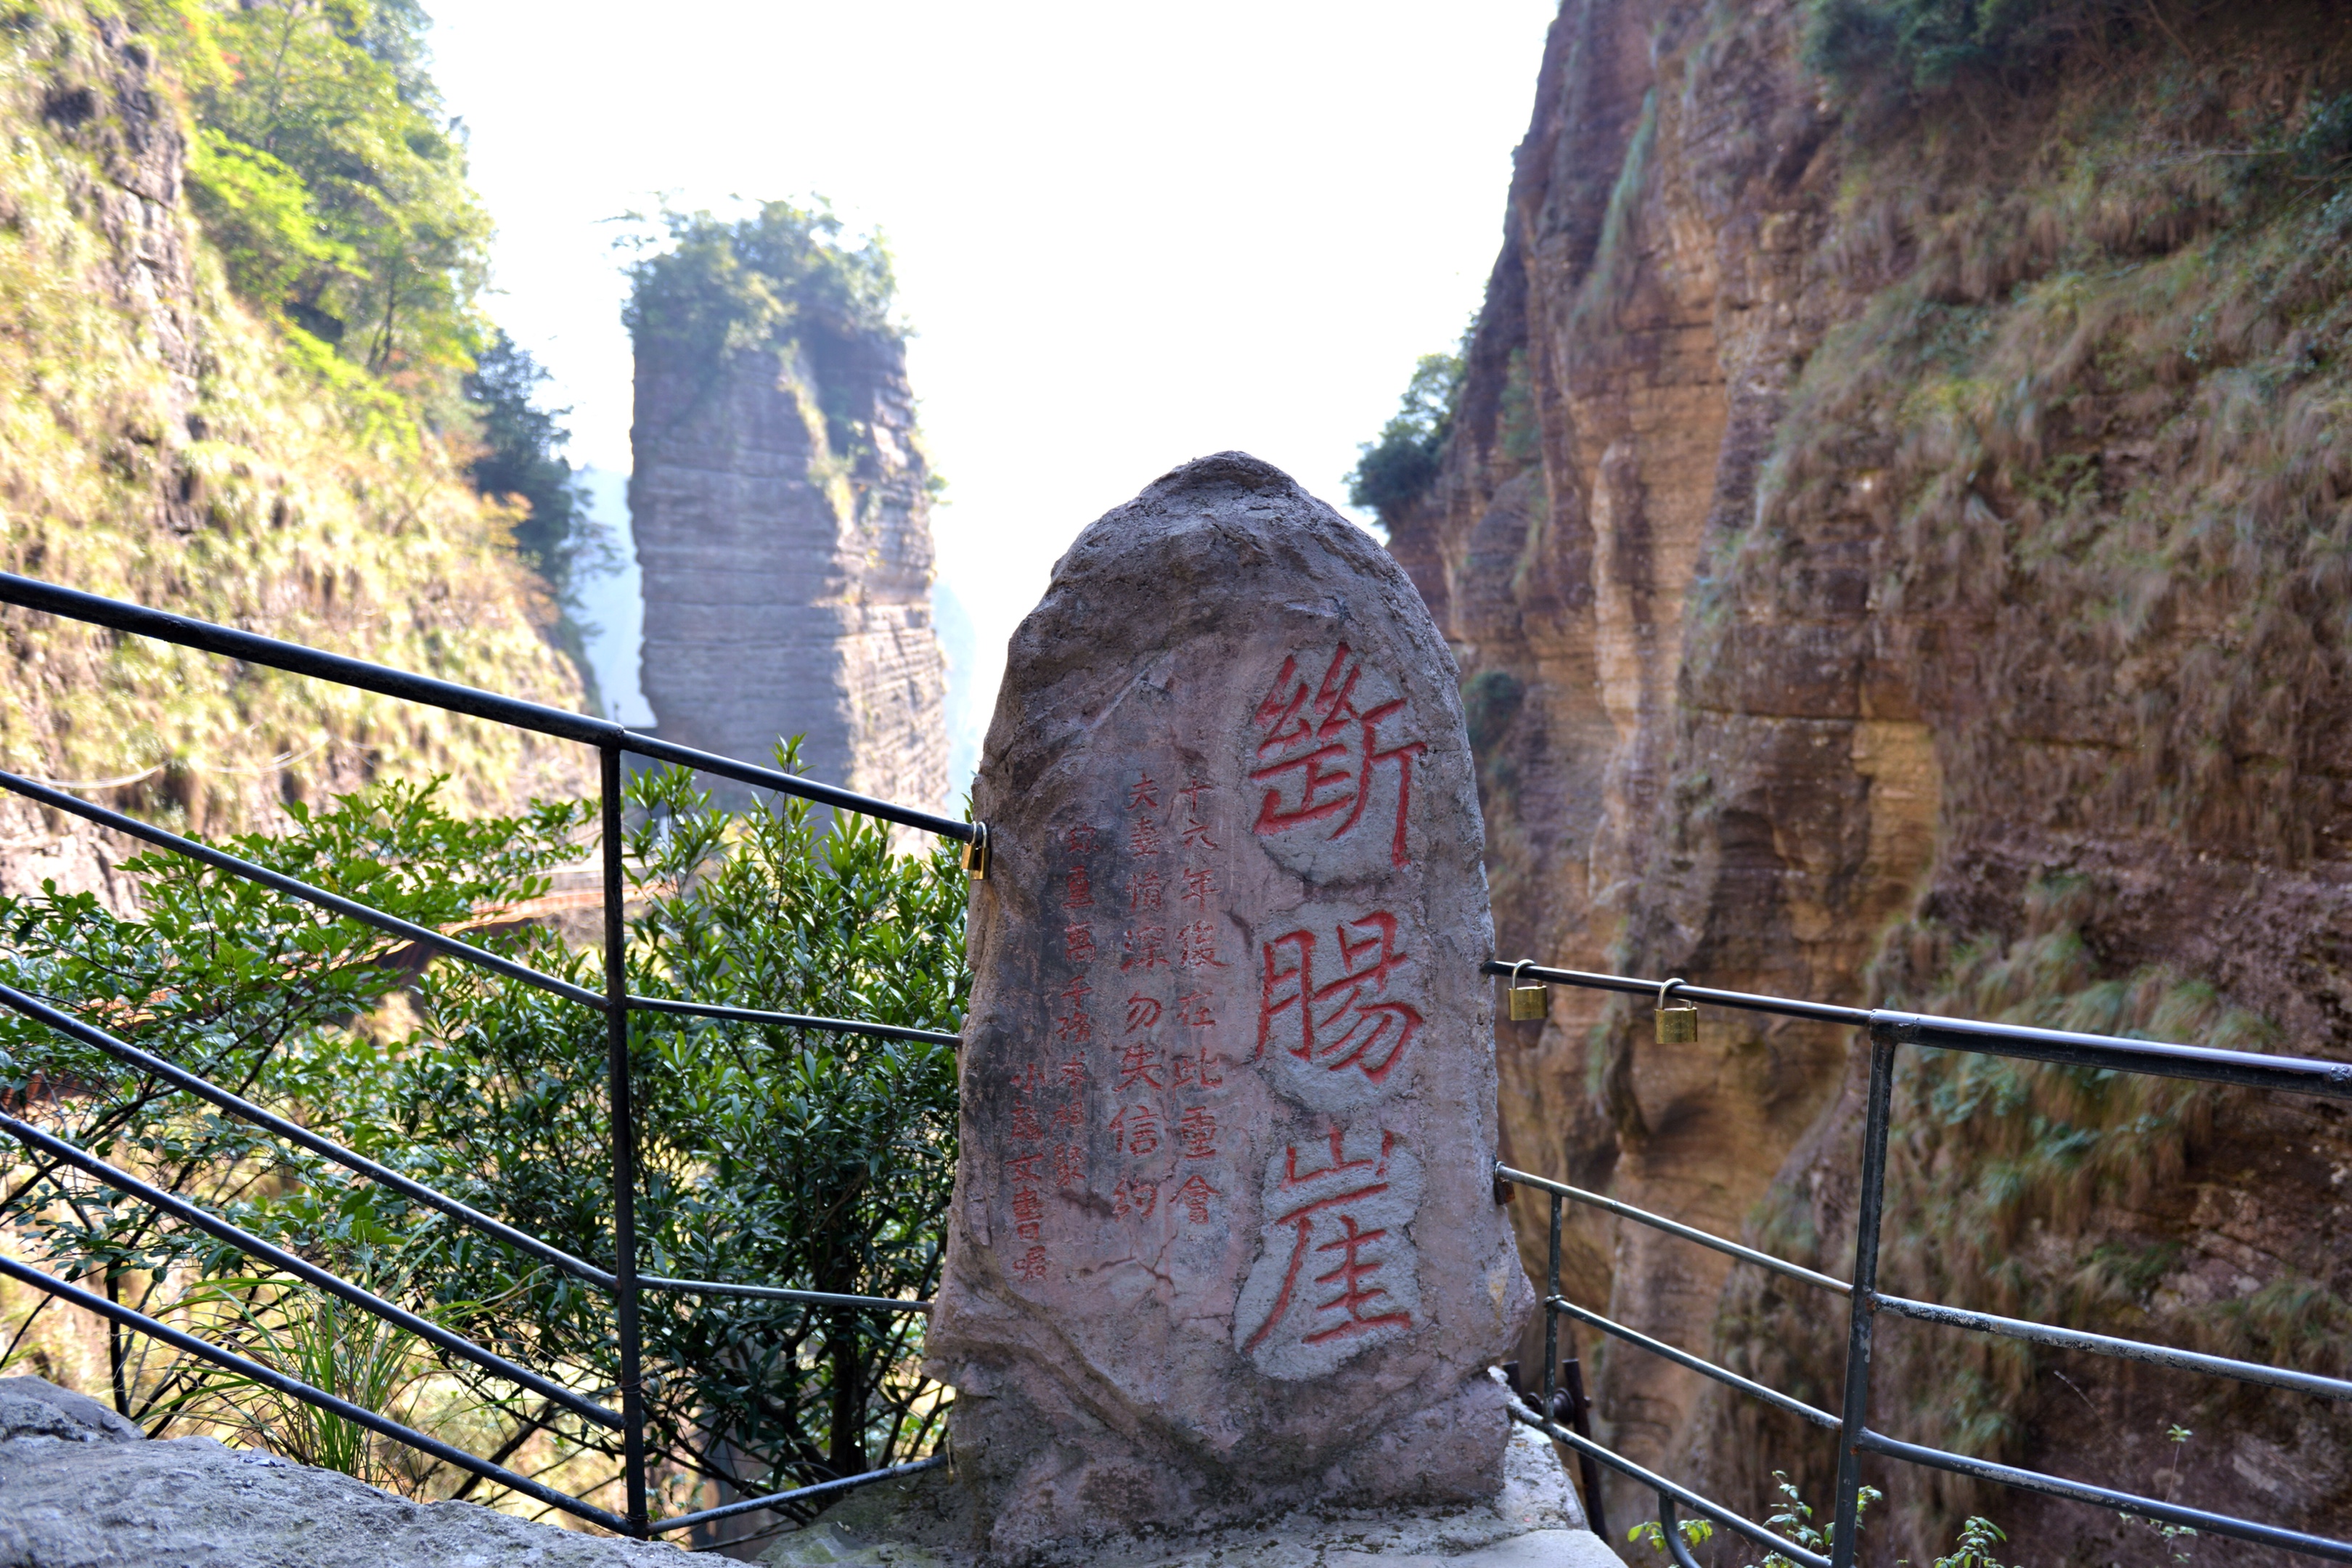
1125	235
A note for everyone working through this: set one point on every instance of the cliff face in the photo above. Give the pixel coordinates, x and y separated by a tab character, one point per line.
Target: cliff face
1897	546
158	444
783	523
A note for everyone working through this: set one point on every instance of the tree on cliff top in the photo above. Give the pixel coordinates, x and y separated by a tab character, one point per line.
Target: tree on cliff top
1398	469
777	279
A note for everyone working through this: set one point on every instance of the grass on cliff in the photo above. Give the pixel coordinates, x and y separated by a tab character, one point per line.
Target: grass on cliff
170	447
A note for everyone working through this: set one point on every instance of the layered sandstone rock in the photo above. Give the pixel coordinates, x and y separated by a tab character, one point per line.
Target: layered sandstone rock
782	526
1889	544
1225	1239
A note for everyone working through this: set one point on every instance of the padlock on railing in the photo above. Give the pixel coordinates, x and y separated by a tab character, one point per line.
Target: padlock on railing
1530	1003
1677	1025
975	853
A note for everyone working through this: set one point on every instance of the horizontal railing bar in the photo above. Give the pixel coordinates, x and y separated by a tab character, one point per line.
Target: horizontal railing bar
188	632
2122	1502
24	1133
774	1499
793	785
779	1293
180	1078
2291	1075
269	1377
1675	1227
1664	1487
333	903
2129	1349
792	1020
1821	1012
1684	1358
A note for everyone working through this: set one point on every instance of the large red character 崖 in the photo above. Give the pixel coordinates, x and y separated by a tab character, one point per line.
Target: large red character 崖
1359	1298
1347	1021
1318	753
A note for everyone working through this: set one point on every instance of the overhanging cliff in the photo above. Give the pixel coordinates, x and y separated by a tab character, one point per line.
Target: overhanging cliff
1894	532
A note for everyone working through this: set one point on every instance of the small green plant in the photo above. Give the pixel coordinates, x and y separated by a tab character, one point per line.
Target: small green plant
1652	1534
2173	1534
1975	1548
1396	470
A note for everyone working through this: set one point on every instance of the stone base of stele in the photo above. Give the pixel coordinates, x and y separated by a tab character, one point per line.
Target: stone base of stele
926	1521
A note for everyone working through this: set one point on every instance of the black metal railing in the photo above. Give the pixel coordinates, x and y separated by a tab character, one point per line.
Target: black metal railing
1887	1031
622	1280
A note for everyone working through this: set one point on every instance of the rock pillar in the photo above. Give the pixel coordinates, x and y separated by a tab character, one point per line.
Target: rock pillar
1224	1238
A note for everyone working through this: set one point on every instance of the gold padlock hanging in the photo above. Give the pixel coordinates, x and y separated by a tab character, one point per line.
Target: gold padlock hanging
1677	1025
975	852
1530	1003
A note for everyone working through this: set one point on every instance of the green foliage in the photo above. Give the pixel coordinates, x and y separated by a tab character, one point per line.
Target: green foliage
523	460
1652	1534
1977	1537
776	280
1397	469
1929	43
328	175
767	1155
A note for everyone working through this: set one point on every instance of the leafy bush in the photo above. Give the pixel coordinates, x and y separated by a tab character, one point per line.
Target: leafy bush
1396	470
768	1155
522	459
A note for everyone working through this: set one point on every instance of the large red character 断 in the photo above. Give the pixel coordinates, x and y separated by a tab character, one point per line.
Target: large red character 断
1318	754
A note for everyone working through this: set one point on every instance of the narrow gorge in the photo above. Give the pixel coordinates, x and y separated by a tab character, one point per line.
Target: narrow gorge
1895	530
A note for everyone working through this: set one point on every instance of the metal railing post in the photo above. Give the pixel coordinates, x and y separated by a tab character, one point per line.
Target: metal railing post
1551	1317
625	1146
1854	1413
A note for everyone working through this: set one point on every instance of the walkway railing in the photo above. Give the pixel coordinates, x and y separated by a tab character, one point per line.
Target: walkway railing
622	1280
1889	1031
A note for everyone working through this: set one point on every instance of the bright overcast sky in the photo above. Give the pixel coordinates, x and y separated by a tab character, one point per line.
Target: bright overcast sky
1125	235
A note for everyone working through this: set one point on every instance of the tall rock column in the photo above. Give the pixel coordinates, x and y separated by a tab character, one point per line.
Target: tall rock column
782	512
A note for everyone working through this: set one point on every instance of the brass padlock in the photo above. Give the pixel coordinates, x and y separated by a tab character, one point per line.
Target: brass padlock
1677	1025
975	853
1530	1003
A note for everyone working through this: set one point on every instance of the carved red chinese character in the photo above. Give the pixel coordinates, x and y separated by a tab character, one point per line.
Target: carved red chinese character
1357	1296
1142	1012
1142	794
1026	1079
1031	1265
1069	1113
1143	837
1194	1195
1134	1197
1069	1165
1192	1010
1073	1073
1078	892
1138	1127
1196	1130
1319	756
1144	947
1199	887
1143	891
1078	944
1080	839
1140	1063
1196	946
1025	1128
1196	835
1201	1069
1191	795
1346	1021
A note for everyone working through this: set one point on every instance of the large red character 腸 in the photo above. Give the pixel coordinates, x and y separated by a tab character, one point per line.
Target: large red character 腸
1344	1021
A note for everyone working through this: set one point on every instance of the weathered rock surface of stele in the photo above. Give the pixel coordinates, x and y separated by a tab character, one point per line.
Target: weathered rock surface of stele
1224	1238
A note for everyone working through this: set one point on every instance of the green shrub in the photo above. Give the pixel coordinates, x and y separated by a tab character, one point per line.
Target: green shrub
1397	469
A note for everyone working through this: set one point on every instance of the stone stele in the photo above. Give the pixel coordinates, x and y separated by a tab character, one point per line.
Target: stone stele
1224	1238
